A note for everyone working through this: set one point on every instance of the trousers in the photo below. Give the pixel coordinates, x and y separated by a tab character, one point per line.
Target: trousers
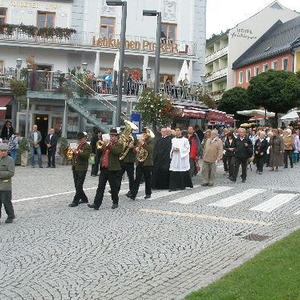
51	157
129	169
147	172
288	154
79	177
113	178
209	171
5	199
244	163
39	154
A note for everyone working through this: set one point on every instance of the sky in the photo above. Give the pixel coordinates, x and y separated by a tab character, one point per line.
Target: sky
225	14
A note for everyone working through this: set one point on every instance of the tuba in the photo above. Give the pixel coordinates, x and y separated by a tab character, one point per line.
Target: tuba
126	138
141	152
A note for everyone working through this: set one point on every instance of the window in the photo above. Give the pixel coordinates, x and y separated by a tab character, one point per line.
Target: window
248	75
3	15
256	71
167	78
265	68
46	19
107	27
241	77
168	32
285	64
274	65
1	66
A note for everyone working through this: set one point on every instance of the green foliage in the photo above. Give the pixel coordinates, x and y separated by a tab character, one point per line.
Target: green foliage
23	145
33	31
18	87
207	100
234	100
277	91
272	274
156	110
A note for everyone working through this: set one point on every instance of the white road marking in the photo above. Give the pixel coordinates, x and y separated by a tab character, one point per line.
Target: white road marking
204	217
297	213
202	195
274	202
237	198
164	193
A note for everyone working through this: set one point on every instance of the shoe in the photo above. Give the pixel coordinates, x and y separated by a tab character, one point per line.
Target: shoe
244	180
132	197
53	167
109	191
41	167
93	206
147	197
48	167
93	175
129	194
114	206
9	220
82	201
204	184
259	173
210	184
73	204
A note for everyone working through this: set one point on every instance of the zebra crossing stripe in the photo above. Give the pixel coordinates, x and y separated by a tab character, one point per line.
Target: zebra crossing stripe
237	198
297	213
274	203
202	195
165	193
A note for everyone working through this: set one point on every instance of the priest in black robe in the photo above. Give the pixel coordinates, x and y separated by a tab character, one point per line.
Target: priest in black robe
161	161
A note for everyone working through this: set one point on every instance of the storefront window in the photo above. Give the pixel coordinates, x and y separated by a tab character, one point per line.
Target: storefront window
2	15
73	124
46	19
57	124
107	27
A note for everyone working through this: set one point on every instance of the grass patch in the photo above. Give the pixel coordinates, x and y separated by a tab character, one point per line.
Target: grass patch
273	274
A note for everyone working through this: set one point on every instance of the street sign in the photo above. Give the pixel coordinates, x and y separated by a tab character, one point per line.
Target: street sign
136	119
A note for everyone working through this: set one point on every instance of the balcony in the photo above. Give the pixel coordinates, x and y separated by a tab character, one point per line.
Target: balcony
216	75
68	39
218	54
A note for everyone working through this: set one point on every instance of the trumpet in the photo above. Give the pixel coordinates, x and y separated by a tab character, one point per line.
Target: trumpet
69	153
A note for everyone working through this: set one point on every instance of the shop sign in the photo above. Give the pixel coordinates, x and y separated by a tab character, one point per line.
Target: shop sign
145	45
29	4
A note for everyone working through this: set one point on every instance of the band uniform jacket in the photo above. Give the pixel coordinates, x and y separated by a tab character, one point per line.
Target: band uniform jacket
113	159
80	162
7	171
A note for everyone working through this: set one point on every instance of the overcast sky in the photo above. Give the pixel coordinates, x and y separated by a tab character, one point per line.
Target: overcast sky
225	14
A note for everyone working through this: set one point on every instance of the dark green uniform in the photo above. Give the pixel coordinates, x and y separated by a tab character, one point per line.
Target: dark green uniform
80	163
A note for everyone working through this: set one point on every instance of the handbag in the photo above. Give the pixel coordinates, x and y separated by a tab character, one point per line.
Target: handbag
92	159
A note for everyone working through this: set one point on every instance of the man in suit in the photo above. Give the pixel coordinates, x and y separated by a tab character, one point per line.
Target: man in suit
35	139
80	163
51	143
109	170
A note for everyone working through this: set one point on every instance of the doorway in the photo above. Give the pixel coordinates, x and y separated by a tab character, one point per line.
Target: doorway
42	123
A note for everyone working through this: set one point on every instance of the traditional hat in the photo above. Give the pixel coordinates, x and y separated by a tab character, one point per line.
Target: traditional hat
4	146
113	131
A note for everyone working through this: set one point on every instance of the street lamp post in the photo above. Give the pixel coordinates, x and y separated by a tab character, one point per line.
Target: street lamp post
151	13
122	55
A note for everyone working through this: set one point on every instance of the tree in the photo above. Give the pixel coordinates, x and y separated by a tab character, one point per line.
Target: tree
275	91
207	100
234	100
156	110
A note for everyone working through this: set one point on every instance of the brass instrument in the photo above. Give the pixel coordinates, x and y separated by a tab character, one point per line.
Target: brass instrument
99	145
126	138
141	152
69	153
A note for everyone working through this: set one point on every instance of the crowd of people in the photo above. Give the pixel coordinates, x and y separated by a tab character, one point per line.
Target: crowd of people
167	162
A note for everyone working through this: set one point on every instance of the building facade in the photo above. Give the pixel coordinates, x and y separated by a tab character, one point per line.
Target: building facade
94	43
275	50
224	49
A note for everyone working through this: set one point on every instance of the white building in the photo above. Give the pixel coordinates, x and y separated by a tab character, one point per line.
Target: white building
224	49
95	42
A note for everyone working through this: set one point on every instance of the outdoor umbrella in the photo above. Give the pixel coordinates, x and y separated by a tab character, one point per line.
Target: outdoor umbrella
184	72
292	115
256	112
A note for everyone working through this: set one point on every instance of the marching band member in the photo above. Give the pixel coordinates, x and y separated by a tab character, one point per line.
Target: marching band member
80	165
109	170
144	160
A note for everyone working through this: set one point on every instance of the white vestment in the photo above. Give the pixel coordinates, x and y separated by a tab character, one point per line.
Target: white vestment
180	161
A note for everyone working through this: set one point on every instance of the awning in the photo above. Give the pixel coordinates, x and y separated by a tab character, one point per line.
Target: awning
4	100
193	114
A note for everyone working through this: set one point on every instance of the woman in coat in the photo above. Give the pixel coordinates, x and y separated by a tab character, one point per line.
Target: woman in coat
288	141
276	151
229	148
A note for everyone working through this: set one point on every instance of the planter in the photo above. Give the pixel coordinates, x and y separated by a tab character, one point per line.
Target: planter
24	158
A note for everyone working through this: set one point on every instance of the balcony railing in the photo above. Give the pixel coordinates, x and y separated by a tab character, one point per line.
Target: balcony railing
212	57
92	39
217	75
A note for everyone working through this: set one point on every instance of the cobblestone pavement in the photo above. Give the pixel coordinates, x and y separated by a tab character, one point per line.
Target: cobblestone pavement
162	248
